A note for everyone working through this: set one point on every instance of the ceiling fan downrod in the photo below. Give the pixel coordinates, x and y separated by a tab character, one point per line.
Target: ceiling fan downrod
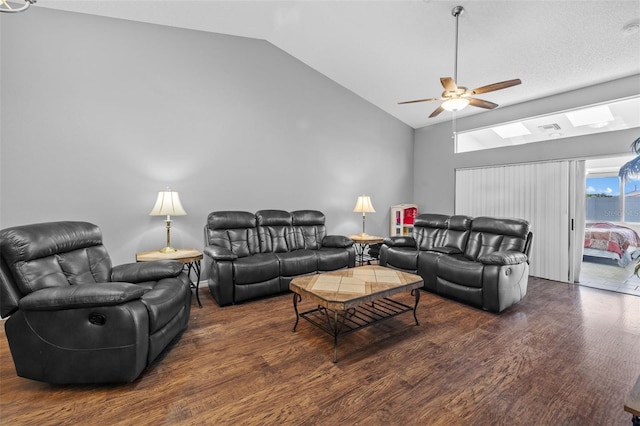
456	12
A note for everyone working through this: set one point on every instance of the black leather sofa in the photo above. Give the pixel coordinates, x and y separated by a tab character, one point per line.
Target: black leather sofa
483	262
251	255
76	319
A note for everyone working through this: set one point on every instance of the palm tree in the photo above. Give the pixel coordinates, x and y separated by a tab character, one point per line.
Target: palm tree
632	168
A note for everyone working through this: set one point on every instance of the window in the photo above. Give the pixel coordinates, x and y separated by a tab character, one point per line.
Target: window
606	117
604	202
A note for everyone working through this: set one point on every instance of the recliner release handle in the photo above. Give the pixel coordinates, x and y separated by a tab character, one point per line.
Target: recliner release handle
97	319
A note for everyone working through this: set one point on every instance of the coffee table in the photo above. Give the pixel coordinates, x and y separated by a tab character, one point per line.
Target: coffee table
351	299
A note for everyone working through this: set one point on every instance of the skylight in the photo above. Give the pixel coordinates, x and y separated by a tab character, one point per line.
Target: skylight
597	116
607	117
511	130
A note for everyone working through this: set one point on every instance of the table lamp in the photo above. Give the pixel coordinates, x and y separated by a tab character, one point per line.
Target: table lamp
168	204
363	205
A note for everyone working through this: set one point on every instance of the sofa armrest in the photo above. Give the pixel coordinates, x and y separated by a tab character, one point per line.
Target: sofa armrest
219	253
337	241
146	271
400	242
446	250
81	296
503	258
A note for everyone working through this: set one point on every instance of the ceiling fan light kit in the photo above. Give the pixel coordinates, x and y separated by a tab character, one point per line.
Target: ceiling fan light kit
455	104
456	98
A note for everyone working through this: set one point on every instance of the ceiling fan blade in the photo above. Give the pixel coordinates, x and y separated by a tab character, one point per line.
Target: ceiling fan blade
482	103
436	111
420	100
496	86
449	84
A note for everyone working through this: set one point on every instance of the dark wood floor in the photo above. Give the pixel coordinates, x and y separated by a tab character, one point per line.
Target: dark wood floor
564	355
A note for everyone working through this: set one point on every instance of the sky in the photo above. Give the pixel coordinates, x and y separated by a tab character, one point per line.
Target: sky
610	186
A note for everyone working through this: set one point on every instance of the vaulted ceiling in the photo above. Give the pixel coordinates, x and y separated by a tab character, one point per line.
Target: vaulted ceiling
397	50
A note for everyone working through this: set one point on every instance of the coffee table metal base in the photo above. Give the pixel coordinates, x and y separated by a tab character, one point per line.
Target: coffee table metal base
339	323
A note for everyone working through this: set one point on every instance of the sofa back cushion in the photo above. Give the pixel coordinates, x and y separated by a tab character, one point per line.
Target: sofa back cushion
233	230
308	229
429	230
53	254
275	231
490	234
438	230
457	233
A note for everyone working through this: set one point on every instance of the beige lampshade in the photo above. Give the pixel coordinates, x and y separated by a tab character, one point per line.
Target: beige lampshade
168	204
363	205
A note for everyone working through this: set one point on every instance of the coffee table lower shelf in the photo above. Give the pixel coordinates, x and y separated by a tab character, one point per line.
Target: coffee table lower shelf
339	323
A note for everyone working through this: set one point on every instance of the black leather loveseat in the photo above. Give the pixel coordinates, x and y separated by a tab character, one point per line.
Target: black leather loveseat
483	262
76	319
254	255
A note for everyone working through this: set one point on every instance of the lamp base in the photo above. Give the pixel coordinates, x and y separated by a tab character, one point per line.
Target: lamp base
168	250
363	234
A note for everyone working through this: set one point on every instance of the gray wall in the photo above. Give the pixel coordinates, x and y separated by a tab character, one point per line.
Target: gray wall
434	182
99	114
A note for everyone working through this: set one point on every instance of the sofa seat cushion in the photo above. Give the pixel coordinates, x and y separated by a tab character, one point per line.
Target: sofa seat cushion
331	259
297	262
255	269
458	269
446	250
403	258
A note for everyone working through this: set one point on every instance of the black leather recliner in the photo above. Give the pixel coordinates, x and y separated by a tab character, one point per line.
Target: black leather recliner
255	255
76	319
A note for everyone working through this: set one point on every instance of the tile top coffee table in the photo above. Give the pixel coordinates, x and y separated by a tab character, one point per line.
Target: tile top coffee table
351	299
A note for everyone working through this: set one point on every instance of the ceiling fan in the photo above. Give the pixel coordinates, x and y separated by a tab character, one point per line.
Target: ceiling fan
457	97
6	7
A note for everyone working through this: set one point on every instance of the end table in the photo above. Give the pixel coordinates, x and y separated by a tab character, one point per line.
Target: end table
632	403
190	258
362	242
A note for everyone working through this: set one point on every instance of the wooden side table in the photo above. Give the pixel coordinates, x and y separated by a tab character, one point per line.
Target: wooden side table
632	403
362	243
190	258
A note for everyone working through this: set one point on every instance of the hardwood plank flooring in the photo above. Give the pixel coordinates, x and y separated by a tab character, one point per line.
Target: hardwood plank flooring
566	355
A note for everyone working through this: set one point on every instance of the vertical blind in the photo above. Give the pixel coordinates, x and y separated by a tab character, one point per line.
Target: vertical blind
578	212
537	192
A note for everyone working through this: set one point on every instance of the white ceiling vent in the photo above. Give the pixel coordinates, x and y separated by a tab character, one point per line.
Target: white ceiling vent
549	127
